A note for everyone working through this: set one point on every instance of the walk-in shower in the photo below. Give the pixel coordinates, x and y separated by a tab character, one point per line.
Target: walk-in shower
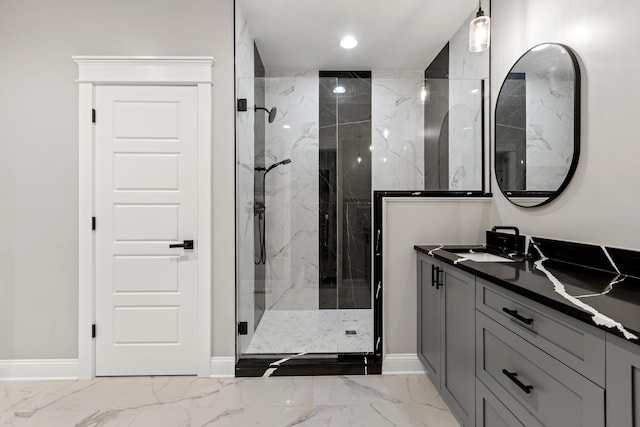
310	286
304	261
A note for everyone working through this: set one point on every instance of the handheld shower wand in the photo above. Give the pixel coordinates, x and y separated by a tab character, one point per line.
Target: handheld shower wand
261	211
273	166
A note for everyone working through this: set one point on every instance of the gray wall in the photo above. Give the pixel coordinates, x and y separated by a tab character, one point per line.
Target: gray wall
39	153
601	203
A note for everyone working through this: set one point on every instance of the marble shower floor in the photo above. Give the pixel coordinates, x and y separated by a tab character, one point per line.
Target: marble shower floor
402	401
313	331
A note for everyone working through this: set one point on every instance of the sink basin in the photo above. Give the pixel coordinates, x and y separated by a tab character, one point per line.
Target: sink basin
483	257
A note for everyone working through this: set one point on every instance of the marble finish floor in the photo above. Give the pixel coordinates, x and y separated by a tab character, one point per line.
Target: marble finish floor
313	331
378	401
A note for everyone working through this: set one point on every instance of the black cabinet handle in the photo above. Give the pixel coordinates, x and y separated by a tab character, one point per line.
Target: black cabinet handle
514	378
514	314
438	281
433	275
186	244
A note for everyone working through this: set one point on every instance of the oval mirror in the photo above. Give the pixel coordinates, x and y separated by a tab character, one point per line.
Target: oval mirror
537	125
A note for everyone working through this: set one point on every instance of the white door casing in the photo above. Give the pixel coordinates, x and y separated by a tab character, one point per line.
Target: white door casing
148	187
145	197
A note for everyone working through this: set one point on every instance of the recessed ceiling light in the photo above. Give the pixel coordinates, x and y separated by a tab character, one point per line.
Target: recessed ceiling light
339	89
348	42
286	126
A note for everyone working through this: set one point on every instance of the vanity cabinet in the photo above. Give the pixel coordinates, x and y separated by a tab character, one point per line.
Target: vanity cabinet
579	346
546	368
490	412
538	389
623	382
446	324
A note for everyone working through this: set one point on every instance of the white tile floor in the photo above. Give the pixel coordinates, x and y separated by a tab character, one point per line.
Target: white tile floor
372	401
313	331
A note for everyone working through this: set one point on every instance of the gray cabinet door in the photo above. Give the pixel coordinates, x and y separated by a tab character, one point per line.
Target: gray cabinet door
429	318
458	329
623	382
490	412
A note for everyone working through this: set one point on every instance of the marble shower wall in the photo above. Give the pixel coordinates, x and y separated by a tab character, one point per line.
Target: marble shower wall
549	129
245	178
466	72
398	130
292	191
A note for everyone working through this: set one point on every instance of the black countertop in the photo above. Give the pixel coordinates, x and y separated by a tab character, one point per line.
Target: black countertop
605	299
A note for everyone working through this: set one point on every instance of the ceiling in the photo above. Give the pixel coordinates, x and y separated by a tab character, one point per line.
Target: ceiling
398	34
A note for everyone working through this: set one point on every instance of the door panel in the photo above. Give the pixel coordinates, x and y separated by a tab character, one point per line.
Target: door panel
161	274
146	186
138	171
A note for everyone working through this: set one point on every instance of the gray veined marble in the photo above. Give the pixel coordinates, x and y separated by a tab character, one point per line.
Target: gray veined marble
397	138
549	134
466	72
313	331
291	191
403	401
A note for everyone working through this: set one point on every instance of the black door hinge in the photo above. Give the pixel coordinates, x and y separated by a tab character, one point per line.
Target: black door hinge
243	328
93	330
93	223
93	115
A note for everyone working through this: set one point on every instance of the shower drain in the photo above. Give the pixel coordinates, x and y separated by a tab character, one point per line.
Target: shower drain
350	332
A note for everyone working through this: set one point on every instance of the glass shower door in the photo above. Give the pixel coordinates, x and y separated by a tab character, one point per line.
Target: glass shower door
304	215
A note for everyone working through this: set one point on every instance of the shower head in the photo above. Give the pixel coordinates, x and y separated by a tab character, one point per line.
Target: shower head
275	165
272	112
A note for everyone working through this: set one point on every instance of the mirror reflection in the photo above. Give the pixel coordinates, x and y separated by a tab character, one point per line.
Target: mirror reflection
537	125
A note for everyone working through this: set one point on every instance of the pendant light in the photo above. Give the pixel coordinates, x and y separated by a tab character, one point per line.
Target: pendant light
479	31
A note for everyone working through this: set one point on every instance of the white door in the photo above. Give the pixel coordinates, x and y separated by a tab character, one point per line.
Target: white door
146	188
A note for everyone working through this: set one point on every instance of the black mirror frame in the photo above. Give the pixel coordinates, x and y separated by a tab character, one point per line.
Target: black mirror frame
576	134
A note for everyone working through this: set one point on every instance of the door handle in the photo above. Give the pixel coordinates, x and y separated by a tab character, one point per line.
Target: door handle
186	244
438	277
433	275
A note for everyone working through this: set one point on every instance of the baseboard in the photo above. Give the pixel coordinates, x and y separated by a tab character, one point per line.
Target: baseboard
39	369
223	367
401	364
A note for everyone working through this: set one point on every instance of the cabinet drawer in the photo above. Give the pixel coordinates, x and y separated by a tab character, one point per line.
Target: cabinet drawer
579	346
558	396
490	412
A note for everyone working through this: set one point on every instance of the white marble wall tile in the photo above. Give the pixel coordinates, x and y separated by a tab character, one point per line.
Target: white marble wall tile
549	130
465	135
292	191
465	65
466	72
245	175
397	116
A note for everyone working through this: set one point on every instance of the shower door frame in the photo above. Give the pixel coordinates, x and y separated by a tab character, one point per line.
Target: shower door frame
362	363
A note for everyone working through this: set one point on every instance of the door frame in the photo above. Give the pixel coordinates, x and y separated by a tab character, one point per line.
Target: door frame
141	70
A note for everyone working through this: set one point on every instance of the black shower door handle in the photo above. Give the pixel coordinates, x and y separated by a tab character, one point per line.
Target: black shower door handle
326	230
